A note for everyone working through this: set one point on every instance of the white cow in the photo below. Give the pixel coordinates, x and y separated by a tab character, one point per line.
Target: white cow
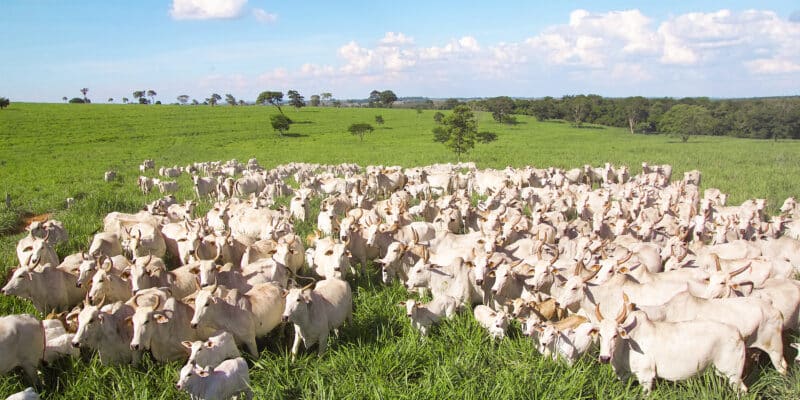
424	316
496	322
22	344
228	379
47	287
316	312
209	353
107	330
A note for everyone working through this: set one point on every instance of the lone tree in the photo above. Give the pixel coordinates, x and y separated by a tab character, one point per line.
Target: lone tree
438	117
458	131
183	99
360	130
501	109
139	94
271	97
295	99
125	100
388	97
64	99
214	99
280	123
4	102
110	99
151	94
314	101
230	99
327	96
686	120
84	91
379	119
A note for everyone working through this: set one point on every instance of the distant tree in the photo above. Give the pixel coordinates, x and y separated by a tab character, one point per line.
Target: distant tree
501	108
337	103
158	102
458	131
110	99
125	100
374	98
635	111
195	102
419	109
360	130
214	99
242	103
280	123
326	96
139	95
76	100
183	99
486	137
230	99
84	91
314	100
388	97
450	104
64	99
685	120
438	117
151	94
4	102
379	119
271	97
295	99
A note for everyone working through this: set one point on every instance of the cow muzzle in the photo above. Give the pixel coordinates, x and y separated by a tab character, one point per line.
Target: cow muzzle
193	325
479	281
284	318
76	345
604	359
134	347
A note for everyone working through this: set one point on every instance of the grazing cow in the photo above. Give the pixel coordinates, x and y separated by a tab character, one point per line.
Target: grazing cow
230	378
316	312
22	343
204	186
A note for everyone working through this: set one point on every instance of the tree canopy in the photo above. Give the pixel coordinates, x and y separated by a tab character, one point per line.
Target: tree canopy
501	108
388	97
314	100
183	99
360	129
230	99
686	120
271	97
458	131
280	123
295	99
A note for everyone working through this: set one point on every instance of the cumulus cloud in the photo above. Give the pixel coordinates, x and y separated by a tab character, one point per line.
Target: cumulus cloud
264	16
207	9
396	39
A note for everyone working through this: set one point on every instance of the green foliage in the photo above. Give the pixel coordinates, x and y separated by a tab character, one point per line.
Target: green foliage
685	120
295	99
230	99
151	94
4	102
77	100
388	97
213	99
280	123
124	100
486	137
458	131
500	107
138	94
271	97
379	119
450	104
438	117
360	129
314	100
183	99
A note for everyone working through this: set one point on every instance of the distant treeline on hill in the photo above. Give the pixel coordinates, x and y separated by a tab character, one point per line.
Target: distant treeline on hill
758	118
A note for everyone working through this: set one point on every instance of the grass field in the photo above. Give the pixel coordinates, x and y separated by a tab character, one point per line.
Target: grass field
51	152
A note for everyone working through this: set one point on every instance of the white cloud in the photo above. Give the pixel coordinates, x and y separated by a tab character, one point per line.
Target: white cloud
264	16
773	66
396	39
206	9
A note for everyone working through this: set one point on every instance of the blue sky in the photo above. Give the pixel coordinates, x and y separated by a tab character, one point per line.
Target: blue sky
433	48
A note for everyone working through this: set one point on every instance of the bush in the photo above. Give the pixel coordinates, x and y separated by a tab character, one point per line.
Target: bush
76	100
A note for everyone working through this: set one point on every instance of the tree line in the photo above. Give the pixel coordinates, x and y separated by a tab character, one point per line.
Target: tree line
759	118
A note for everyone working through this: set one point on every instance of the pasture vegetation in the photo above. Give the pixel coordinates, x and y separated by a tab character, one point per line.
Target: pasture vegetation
51	152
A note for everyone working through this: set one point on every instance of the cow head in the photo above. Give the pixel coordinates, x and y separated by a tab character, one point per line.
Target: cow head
297	302
613	330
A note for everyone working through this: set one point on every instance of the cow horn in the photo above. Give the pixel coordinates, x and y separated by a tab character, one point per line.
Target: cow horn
158	303
134	299
626	258
425	254
555	257
307	286
415	235
739	271
149	258
591	275
102	301
597	313
578	268
46	235
214	286
624	312
716	262
360	213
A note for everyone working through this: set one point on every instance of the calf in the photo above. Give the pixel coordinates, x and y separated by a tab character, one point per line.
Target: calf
213	351
58	341
228	379
496	322
423	316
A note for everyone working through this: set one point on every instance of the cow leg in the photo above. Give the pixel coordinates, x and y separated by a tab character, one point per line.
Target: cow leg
296	344
251	346
30	373
323	344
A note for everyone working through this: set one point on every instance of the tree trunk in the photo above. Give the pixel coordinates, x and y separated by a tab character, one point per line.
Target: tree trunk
631	124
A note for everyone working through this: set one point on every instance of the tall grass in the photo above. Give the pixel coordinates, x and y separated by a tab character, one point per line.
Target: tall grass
51	152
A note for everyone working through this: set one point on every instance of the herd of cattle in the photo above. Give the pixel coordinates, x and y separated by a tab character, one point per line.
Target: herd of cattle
666	279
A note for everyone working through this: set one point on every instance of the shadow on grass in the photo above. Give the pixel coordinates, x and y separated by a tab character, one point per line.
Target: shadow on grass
293	135
303	122
589	127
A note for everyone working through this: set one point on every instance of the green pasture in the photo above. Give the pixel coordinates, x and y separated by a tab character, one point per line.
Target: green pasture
49	152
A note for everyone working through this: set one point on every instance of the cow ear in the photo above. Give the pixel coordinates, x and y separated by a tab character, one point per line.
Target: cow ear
126	273
623	270
284	293
307	299
202	373
329	252
593	332
209	344
491	274
195	270
187	344
161	318
401	304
